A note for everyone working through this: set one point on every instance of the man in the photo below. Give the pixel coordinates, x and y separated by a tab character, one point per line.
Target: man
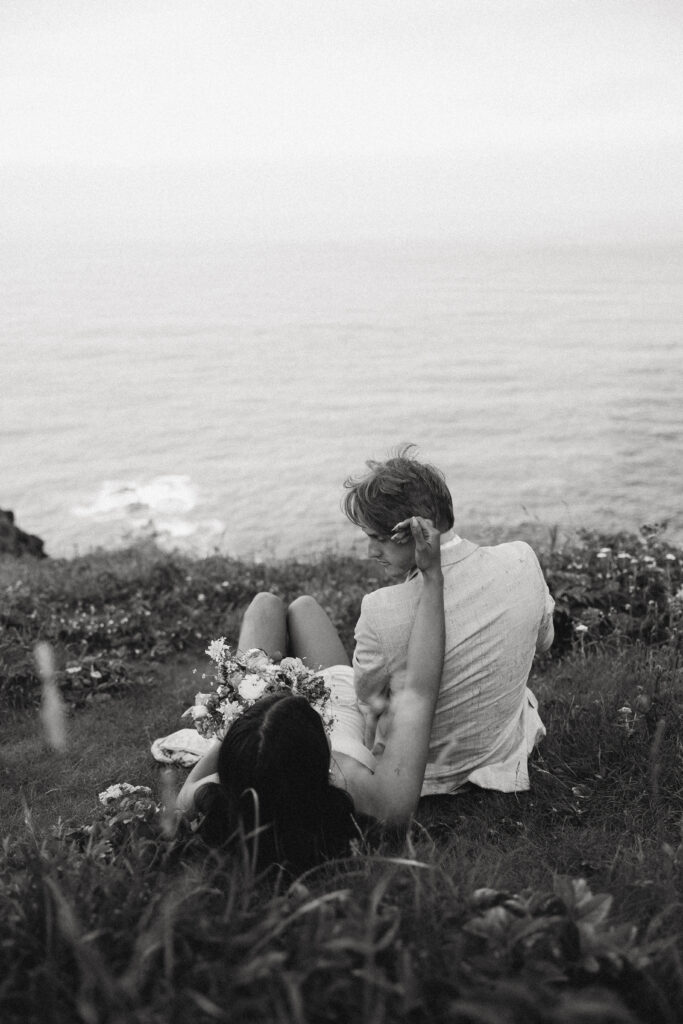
498	613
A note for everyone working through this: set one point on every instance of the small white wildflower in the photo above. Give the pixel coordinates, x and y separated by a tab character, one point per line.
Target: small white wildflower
230	710
216	649
580	628
670	558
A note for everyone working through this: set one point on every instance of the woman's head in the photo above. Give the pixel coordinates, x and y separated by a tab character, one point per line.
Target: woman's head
279	749
274	769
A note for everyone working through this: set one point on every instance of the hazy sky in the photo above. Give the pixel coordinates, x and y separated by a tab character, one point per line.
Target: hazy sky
342	118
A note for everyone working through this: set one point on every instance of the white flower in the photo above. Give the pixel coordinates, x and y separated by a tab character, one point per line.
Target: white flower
294	669
580	628
252	687
256	660
230	710
197	711
216	649
115	792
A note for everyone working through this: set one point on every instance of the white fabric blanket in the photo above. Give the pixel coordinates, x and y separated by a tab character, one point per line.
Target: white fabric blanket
183	747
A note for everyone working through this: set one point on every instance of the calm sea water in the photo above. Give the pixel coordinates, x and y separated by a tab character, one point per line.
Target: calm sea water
220	398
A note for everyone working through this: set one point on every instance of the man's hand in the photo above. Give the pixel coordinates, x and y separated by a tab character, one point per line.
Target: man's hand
427	540
371	710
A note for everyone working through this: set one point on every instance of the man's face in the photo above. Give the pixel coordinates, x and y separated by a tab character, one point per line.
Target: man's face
397	559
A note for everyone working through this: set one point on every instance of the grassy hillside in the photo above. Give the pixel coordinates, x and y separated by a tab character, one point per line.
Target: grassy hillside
559	905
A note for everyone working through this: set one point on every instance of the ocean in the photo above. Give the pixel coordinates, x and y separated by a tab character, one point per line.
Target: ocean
217	398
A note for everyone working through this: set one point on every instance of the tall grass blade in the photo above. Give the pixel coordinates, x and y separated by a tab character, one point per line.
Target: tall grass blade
52	708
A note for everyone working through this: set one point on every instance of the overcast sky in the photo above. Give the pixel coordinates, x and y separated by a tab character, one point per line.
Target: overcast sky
343	118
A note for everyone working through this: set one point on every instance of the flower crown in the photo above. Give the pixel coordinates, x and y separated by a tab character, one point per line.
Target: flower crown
240	680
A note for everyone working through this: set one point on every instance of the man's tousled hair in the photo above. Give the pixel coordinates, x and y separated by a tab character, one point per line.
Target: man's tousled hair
396	489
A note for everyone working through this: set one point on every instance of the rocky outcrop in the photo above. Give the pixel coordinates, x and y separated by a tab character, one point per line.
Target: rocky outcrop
14	541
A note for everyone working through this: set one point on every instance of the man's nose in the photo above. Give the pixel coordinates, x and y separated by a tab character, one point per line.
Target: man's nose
373	549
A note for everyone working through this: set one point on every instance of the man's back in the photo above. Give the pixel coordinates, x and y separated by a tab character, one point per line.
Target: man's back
498	611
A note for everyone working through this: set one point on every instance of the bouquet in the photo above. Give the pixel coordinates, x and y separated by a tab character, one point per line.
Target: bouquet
240	680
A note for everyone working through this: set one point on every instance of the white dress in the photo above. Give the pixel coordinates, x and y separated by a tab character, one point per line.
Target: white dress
346	736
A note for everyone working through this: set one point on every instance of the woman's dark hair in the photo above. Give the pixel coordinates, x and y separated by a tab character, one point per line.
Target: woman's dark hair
274	789
395	490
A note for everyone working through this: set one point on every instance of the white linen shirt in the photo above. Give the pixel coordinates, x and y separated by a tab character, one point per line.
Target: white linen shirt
498	613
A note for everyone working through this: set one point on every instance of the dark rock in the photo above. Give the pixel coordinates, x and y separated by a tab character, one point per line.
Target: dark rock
14	541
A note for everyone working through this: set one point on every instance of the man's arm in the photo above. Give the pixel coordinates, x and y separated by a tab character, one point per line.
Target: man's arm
391	793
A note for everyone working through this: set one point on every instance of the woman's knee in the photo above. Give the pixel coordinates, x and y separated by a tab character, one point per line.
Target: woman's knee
302	605
265	607
265	602
264	625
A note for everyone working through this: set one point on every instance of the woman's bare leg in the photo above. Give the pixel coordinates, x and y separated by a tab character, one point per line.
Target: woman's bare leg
265	626
312	637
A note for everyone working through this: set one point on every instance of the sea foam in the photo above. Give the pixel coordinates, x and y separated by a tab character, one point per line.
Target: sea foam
161	507
162	495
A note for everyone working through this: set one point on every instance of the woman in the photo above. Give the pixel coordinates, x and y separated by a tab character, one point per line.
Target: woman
275	775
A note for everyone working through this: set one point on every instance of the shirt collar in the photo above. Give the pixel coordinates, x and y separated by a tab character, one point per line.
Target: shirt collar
449	540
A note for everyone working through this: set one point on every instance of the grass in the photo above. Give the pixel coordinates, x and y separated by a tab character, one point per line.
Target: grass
558	905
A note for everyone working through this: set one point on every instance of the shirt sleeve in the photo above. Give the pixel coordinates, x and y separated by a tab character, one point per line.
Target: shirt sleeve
546	629
371	675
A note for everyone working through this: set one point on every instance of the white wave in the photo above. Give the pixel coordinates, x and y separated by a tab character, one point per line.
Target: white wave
121	499
160	508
